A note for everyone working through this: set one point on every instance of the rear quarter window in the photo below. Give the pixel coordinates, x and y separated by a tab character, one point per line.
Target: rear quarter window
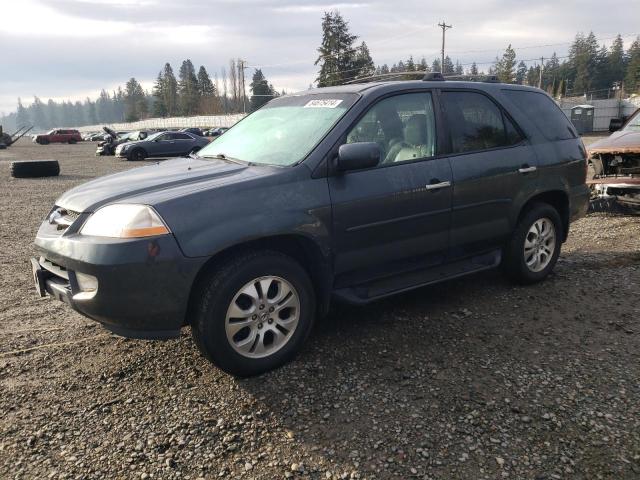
543	112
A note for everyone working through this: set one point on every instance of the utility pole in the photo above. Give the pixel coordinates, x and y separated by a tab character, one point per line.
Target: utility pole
444	27
541	69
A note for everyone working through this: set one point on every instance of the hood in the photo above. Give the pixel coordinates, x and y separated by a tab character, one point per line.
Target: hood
108	131
148	179
618	142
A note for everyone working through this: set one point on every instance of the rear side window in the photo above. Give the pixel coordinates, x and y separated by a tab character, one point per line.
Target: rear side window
476	123
543	112
181	136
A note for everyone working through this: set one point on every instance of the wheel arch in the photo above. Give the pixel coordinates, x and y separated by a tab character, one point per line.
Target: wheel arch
558	199
300	247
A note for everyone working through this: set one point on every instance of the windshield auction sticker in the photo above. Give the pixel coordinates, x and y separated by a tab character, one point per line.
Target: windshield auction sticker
327	103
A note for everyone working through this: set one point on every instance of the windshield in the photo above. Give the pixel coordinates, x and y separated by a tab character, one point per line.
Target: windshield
283	132
633	124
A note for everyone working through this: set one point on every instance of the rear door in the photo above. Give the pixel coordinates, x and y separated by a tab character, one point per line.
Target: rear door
166	145
184	143
493	166
394	217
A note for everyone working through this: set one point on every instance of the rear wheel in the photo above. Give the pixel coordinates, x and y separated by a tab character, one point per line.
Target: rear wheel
44	141
253	313
534	247
72	141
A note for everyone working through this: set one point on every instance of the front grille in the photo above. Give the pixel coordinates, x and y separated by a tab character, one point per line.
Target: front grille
62	218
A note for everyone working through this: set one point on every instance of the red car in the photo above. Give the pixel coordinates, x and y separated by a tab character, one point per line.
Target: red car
58	135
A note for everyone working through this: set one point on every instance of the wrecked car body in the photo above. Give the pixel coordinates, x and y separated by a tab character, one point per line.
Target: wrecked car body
112	139
614	166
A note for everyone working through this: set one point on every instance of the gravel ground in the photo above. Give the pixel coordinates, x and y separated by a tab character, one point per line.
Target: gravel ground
473	379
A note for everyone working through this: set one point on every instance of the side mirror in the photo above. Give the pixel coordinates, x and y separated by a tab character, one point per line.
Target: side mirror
356	156
615	124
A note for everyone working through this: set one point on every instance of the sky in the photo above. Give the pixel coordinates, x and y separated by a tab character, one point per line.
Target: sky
71	49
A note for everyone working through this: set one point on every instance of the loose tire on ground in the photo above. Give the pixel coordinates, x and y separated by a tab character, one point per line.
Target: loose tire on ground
218	291
514	260
35	168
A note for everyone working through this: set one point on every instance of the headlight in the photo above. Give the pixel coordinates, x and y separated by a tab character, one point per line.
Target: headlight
124	221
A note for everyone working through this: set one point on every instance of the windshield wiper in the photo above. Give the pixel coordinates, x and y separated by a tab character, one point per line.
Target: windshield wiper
226	158
222	156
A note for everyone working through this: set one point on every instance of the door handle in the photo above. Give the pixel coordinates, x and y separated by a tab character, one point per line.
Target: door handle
527	169
437	186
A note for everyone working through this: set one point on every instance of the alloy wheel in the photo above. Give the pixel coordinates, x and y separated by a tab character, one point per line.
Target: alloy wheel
262	316
539	244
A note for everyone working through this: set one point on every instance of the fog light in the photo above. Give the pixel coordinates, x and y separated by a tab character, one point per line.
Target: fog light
87	283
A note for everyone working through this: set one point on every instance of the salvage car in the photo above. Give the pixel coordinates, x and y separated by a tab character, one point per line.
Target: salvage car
58	135
112	139
349	193
614	166
216	132
162	144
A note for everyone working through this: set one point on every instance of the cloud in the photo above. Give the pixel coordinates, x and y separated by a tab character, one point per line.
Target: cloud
68	49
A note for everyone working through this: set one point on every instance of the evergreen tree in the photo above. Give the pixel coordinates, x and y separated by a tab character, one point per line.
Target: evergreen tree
169	90
37	113
505	67
336	54
206	91
583	60
459	69
448	66
474	69
261	90
410	66
616	63
188	88
364	62
632	77
52	114
435	66
521	73
90	112
22	117
135	101
158	93
423	66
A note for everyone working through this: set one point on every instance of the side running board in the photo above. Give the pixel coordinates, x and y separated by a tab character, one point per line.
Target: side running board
368	292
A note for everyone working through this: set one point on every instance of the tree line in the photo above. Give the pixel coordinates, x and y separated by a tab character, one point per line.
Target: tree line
191	93
588	67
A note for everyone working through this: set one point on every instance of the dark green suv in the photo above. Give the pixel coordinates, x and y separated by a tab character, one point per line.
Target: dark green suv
348	193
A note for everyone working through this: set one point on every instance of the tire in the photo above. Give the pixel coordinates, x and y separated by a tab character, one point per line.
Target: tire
72	141
221	291
35	168
44	141
137	154
519	264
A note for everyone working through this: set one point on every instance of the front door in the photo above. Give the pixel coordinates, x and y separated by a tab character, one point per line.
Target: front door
492	167
394	217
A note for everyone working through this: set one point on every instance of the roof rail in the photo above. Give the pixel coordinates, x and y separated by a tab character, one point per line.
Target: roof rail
433	77
384	76
427	77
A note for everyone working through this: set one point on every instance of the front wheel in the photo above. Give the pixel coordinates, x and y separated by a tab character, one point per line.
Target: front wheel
137	155
534	247
253	313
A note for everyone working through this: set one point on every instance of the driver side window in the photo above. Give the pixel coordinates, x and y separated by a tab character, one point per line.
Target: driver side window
403	126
